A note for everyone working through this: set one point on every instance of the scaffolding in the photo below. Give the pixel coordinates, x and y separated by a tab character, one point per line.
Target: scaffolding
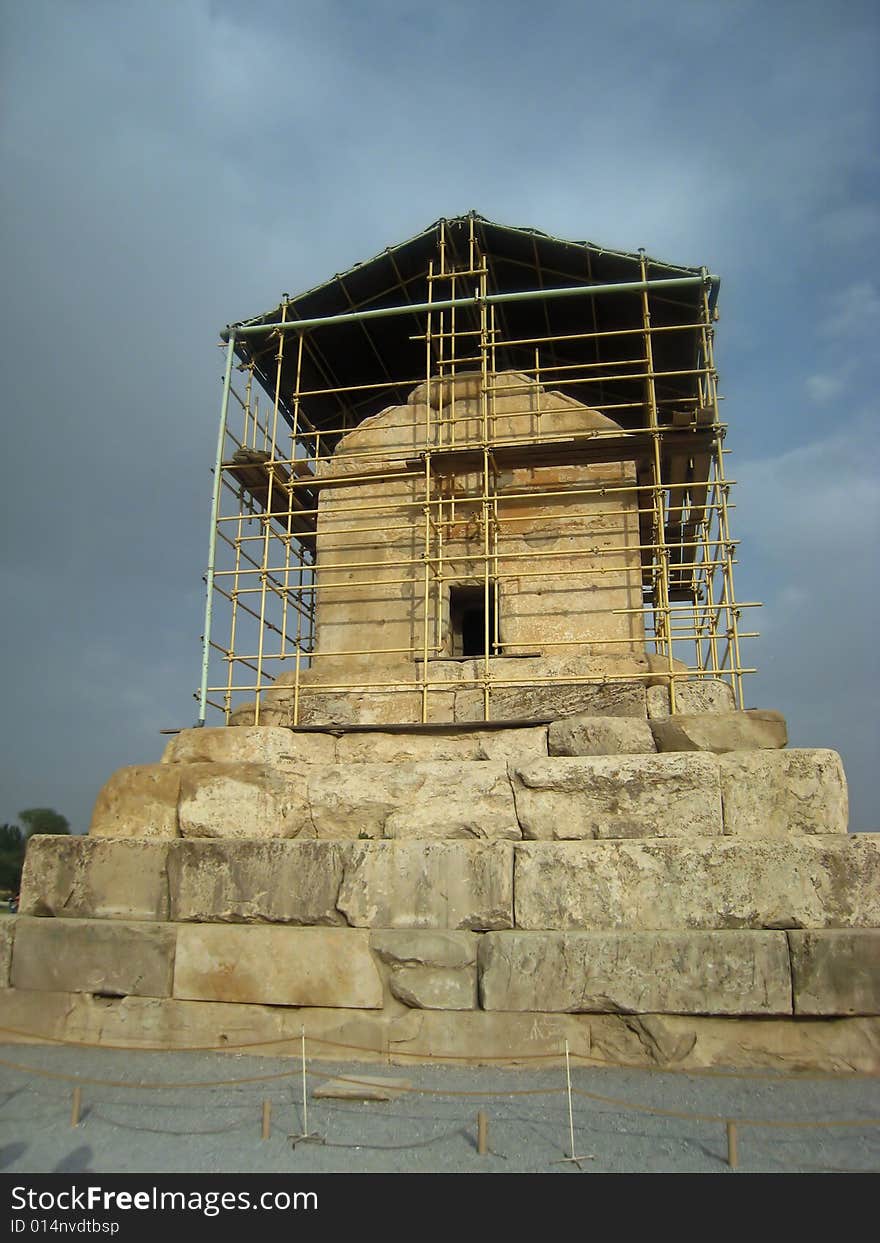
477	318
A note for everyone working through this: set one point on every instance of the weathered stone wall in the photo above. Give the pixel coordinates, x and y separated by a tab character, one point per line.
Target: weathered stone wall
371	537
519	688
583	777
712	972
621	878
672	884
685	1041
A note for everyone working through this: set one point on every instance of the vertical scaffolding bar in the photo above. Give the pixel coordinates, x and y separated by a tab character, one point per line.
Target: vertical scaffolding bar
728	594
661	553
489	596
466	494
212	541
300	584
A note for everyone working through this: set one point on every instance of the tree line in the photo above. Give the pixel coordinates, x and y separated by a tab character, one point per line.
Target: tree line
14	839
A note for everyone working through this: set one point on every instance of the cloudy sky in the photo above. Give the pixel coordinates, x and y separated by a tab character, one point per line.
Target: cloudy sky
174	165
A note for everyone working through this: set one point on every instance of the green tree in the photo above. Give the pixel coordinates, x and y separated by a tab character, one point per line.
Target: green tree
43	820
11	856
10	838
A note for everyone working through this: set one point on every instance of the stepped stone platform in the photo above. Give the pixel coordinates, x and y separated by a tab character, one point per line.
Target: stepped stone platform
656	888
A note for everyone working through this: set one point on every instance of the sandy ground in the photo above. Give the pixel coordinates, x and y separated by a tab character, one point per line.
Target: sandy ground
216	1126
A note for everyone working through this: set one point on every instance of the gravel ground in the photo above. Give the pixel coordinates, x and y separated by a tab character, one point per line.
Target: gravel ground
216	1128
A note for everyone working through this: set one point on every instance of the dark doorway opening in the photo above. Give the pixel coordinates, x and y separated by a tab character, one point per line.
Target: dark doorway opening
468	609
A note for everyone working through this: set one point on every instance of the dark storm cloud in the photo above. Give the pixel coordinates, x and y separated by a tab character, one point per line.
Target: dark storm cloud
173	166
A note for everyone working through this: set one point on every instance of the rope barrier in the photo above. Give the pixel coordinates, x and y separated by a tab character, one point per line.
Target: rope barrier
617	1102
120	1083
720	1118
502	1059
284	1074
38	1038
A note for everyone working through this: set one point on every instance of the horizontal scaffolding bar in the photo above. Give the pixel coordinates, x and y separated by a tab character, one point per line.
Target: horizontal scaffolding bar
492	683
448	304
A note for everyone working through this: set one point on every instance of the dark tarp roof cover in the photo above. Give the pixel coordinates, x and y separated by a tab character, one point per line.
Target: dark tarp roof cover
374	352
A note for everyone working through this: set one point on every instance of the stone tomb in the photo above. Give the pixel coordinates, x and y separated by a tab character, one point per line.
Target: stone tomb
656	887
564	622
483	893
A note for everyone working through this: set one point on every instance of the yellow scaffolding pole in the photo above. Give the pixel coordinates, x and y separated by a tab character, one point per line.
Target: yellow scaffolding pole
655	540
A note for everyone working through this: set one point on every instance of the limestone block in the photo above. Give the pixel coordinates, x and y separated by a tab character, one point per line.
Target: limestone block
441	393
767	1043
600	735
553	700
512	746
430	970
270	746
31	1018
692	698
698	1041
93	956
659	669
720	732
493	1037
95	878
138	802
342	707
278	714
651	972
658	1039
614	673
277	966
271	881
619	796
478	1036
445	670
371	707
407	947
500	744
435	988
428	800
242	800
406	884
151	1022
709	883
368	884
836	971
7	931
379	748
778	793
